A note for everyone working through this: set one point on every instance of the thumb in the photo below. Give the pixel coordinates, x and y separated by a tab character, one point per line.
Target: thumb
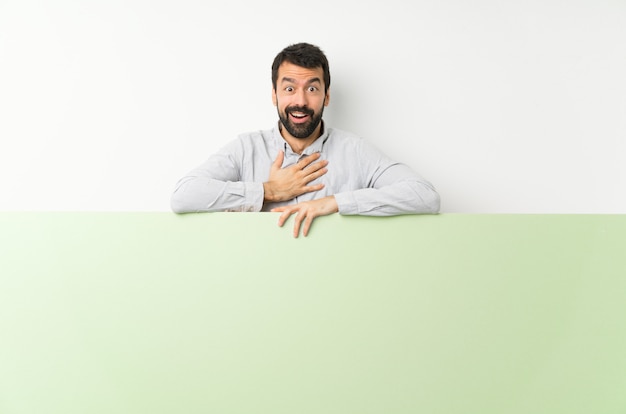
278	162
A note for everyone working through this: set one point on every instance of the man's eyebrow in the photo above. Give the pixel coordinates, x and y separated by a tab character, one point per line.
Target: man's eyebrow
310	81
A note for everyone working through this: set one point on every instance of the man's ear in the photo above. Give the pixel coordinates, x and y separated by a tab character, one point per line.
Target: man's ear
327	98
274	100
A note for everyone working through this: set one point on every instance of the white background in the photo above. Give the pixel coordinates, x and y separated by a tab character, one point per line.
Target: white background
505	106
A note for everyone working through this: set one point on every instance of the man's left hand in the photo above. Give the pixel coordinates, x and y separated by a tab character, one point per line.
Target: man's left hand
306	212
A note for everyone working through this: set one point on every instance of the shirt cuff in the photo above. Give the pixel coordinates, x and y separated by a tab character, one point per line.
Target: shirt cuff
243	197
255	194
346	203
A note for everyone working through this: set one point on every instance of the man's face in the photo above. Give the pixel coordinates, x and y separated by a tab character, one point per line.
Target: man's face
300	99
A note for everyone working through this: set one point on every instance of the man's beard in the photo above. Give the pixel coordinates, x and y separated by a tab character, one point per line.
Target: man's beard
305	129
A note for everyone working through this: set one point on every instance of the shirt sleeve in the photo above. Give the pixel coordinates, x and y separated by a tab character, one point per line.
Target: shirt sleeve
215	186
391	188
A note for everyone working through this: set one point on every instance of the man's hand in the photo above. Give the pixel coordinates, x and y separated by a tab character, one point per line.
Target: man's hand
306	212
290	182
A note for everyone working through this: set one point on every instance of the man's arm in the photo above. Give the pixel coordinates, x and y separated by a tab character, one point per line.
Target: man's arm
398	190
216	185
409	196
391	188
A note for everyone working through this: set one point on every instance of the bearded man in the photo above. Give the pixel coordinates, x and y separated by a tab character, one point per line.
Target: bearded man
301	166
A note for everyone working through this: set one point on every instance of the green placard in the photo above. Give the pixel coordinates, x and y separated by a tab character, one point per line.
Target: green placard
228	313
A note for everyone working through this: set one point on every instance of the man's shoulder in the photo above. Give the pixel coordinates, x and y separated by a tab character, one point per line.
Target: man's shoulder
349	142
263	134
344	138
251	139
342	134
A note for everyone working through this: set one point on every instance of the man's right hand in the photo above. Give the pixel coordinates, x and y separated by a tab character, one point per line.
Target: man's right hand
289	182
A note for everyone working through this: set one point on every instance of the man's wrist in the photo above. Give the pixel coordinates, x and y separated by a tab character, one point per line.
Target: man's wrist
268	194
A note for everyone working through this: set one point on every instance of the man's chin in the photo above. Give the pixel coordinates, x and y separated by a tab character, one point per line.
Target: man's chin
300	131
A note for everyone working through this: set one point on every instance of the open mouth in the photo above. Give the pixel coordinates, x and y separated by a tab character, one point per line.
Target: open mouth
298	117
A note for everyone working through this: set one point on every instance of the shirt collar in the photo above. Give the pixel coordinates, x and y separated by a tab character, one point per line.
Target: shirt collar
316	146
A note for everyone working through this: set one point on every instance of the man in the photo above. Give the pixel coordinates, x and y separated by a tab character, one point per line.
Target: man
302	166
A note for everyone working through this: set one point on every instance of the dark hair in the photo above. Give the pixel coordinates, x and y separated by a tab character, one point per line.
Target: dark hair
304	55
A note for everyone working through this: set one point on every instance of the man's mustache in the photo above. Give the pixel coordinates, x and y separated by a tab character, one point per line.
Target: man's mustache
301	109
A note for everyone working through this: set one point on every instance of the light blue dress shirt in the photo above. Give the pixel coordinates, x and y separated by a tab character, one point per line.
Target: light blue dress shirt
363	180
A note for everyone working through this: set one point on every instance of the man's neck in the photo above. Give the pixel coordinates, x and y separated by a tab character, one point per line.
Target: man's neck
298	145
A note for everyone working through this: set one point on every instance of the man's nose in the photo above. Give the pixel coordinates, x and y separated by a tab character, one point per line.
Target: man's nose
300	98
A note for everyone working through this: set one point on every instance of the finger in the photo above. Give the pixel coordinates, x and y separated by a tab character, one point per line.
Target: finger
309	159
298	222
316	174
311	188
283	217
315	166
307	225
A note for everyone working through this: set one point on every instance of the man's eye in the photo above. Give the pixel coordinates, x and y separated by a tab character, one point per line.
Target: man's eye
289	89
312	89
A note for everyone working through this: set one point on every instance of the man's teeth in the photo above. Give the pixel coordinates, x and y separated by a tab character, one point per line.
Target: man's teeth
298	115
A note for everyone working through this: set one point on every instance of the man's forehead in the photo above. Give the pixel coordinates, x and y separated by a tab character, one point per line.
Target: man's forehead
291	72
